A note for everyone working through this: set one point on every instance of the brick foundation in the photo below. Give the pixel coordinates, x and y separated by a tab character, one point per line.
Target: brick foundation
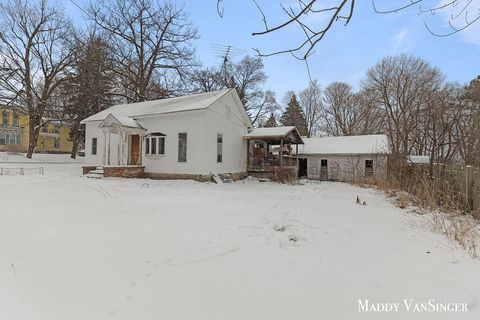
87	169
124	172
197	177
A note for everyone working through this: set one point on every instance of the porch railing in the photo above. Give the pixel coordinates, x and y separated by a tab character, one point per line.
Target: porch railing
256	163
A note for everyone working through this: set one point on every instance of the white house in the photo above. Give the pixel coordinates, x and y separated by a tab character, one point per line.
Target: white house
347	158
192	136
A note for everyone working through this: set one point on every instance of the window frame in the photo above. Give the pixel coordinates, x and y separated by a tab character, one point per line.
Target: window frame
94	146
219	148
182	148
5	116
15	120
155	144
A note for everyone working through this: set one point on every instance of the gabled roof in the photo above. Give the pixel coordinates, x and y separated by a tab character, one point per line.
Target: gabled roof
275	134
178	104
112	120
365	144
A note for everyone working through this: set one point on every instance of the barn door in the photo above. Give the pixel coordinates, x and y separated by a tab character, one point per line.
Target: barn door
135	150
323	169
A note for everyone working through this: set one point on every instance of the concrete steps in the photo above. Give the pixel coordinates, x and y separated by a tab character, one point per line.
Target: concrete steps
95	174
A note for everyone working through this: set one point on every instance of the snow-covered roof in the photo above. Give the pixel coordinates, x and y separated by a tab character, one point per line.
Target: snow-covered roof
288	133
365	144
418	159
112	120
270	132
170	105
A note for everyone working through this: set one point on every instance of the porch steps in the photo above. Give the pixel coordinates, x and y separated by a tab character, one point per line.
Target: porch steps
95	174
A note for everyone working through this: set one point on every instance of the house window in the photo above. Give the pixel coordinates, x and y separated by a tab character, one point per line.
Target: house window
161	145
94	146
3	141
15	120
56	142
147	145
5	118
219	147
323	163
153	145
368	168
182	147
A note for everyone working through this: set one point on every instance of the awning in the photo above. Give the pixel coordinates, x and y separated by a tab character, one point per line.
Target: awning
274	135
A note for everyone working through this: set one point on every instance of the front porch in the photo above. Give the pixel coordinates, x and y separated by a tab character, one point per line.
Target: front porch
122	149
270	153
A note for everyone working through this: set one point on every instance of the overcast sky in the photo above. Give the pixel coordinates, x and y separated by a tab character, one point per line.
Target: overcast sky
345	54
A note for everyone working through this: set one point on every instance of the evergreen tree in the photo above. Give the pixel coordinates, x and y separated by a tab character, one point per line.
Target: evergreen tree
89	88
294	116
271	122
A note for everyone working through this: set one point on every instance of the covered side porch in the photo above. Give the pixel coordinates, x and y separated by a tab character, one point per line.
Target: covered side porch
272	152
122	148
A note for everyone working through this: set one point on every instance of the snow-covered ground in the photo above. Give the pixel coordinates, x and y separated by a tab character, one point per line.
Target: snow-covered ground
78	248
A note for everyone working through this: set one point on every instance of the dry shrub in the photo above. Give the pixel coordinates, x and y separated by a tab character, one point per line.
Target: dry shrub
410	186
459	228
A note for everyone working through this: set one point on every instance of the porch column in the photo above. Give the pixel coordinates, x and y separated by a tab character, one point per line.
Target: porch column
280	153
248	153
108	146
140	148
104	147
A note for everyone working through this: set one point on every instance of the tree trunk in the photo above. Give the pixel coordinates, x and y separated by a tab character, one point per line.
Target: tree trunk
33	131
73	155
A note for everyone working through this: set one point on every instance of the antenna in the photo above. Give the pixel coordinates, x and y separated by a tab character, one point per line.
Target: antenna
226	53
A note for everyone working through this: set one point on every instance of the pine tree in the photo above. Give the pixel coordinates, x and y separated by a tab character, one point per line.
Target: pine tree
89	87
271	122
294	116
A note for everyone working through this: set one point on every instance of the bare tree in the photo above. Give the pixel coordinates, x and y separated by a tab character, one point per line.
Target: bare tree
34	57
150	40
462	14
342	114
400	86
247	77
311	102
467	128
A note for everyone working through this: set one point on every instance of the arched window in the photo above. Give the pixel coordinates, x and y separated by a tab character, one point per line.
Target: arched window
155	143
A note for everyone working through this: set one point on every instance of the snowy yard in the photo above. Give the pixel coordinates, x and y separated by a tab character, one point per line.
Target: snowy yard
78	248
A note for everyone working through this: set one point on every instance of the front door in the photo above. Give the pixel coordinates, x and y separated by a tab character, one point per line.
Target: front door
302	167
135	150
323	169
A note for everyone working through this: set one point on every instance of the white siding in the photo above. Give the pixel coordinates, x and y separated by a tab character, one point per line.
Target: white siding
346	167
202	126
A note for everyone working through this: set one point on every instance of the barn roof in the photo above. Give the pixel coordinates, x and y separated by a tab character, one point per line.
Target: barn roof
365	144
273	135
170	105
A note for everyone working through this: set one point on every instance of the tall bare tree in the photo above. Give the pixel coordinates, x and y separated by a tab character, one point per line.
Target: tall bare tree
311	102
150	40
342	112
467	128
34	56
400	85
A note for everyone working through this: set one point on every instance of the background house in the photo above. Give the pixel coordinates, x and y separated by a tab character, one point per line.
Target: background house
184	137
347	158
53	136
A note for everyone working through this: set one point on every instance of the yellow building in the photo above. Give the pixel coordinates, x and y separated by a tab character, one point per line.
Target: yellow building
53	137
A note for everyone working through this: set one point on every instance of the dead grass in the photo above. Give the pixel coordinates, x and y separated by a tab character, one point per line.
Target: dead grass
448	216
